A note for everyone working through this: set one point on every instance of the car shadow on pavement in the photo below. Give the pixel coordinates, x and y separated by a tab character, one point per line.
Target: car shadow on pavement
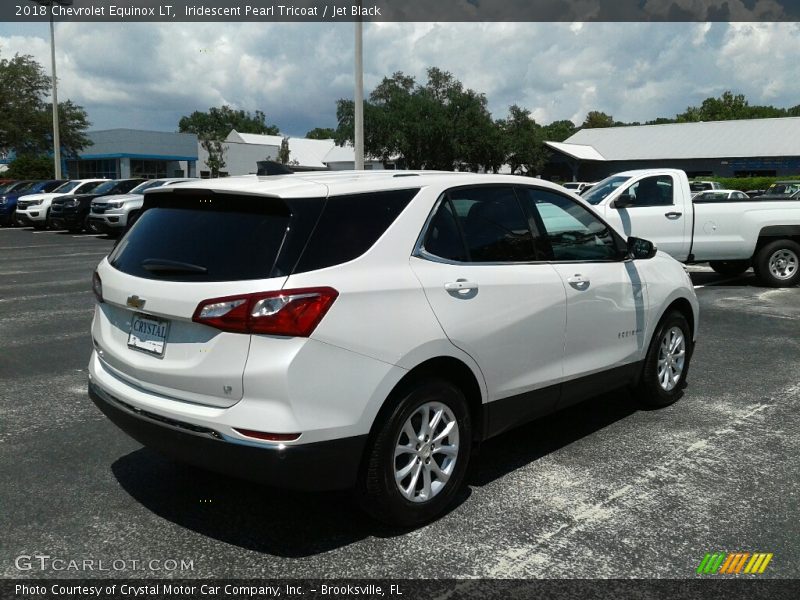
519	447
249	515
712	279
298	524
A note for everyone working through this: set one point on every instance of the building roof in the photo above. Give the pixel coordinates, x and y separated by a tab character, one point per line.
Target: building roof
714	139
579	151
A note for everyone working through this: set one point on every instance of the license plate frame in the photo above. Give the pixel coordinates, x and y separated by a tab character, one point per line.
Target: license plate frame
147	342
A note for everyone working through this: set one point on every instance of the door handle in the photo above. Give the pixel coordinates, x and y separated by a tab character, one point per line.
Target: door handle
462	285
673	215
579	282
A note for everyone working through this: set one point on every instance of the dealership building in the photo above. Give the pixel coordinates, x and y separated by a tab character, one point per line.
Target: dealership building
746	148
123	153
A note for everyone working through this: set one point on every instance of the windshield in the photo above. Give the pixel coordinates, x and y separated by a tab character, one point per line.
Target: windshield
66	187
102	188
139	189
20	186
602	190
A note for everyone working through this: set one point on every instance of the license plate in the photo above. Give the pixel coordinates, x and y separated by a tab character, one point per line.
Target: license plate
148	334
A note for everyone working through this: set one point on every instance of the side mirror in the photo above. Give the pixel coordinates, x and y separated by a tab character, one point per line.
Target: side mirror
641	249
624	201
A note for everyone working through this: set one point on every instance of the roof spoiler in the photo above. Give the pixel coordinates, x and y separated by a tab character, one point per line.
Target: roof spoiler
270	167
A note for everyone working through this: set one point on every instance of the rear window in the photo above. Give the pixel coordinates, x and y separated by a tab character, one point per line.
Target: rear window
205	238
350	225
191	235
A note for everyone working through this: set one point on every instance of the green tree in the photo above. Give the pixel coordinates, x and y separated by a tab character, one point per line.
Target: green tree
527	154
436	125
596	119
214	125
216	155
558	131
217	123
321	133
26	124
31	166
284	153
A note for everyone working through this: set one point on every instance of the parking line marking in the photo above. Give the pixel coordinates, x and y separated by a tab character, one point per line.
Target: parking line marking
85	235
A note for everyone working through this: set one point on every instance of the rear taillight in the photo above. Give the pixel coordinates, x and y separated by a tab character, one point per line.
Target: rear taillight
97	287
294	313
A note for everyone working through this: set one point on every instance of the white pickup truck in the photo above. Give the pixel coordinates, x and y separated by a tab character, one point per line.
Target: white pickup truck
731	235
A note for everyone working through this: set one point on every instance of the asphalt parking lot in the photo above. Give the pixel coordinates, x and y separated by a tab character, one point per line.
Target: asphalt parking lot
603	490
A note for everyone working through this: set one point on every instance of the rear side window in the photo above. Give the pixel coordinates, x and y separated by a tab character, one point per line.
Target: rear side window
350	225
495	227
196	238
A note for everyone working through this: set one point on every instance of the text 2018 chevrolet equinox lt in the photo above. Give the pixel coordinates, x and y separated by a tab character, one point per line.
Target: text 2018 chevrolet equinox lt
368	330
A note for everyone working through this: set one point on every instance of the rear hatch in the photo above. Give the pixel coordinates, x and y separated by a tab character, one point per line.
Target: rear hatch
190	246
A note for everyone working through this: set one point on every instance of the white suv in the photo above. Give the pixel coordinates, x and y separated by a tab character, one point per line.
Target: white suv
368	330
34	209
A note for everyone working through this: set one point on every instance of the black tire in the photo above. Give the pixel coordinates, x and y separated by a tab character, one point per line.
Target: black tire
377	492
650	391
89	226
42	225
774	273
730	268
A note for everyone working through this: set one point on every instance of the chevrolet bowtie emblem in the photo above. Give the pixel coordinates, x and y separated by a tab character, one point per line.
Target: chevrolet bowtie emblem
136	302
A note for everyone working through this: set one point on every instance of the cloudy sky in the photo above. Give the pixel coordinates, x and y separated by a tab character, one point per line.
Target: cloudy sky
147	75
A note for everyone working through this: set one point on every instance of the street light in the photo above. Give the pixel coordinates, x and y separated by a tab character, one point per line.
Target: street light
358	100
56	134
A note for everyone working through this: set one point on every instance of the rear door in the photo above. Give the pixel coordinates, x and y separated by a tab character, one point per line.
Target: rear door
479	267
180	252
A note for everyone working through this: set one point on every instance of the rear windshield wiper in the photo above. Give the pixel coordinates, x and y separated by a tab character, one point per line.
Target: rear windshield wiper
161	265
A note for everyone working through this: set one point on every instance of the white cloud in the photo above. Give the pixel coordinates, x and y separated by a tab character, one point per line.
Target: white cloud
148	75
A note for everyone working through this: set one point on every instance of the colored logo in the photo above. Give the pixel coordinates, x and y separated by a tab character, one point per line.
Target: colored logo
734	563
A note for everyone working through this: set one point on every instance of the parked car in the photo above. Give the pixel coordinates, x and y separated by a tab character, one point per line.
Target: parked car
754	193
720	196
72	211
9	197
34	209
577	186
111	214
781	190
704	186
731	236
369	330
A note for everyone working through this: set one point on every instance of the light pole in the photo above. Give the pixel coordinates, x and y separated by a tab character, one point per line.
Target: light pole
56	134
358	100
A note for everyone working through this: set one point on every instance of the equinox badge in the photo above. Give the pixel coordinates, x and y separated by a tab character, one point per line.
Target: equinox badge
136	302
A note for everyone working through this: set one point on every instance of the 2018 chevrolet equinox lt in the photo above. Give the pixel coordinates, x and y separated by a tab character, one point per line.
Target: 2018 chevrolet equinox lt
368	330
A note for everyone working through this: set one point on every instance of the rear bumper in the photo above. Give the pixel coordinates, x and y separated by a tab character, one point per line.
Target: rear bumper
327	465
